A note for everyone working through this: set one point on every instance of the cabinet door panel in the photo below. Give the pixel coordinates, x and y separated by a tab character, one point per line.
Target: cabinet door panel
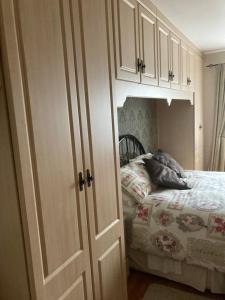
76	291
184	66
175	60
41	58
191	69
109	264
148	46
126	39
163	54
101	157
198	107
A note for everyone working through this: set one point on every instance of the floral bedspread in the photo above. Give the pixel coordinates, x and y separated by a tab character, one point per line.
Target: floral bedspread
185	225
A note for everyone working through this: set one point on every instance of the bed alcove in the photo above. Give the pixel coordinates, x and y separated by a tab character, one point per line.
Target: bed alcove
149	238
160	123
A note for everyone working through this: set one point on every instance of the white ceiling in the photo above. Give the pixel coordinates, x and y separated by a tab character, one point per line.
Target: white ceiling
202	21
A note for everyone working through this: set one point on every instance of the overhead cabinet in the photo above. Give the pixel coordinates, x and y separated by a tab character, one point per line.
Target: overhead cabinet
148	47
184	66
135	42
174	61
164	55
147	50
187	67
168	57
127	40
191	69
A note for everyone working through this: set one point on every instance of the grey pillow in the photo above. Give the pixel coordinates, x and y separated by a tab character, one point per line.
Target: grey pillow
167	160
163	176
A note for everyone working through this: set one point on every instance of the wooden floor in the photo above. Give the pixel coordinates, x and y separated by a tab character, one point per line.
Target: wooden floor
138	283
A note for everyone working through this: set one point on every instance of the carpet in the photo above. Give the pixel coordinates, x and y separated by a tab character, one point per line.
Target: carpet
160	292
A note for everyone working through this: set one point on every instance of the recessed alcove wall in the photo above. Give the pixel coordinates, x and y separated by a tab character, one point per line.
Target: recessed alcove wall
139	118
175	126
159	125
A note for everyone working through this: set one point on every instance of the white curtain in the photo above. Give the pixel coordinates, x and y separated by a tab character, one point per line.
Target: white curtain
218	149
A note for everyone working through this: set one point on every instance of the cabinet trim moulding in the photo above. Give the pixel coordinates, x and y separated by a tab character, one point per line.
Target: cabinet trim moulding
172	27
163	19
124	89
149	6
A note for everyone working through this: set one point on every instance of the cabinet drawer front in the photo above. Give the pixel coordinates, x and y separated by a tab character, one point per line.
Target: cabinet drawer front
126	39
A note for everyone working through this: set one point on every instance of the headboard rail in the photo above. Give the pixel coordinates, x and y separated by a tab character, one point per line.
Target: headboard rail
129	148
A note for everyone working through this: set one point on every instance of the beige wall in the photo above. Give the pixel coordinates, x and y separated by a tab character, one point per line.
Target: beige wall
174	123
209	94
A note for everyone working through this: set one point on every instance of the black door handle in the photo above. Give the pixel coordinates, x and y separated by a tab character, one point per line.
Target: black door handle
143	66
90	178
188	81
81	181
139	64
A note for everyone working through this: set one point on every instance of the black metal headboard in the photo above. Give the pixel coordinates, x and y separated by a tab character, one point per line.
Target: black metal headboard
129	147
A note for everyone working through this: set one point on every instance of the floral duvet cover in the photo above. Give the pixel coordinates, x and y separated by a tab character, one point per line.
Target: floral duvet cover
185	225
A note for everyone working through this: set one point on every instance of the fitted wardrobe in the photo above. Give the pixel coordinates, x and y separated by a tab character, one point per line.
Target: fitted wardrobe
61	215
65	67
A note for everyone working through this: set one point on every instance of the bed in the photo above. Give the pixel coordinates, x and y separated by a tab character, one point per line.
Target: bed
177	234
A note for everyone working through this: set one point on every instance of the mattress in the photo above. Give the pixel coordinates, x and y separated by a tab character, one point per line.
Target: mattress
185	226
197	277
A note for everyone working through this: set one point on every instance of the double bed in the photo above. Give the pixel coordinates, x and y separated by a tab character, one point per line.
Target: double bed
177	234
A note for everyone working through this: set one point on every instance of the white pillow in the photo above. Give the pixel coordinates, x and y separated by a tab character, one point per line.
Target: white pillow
136	181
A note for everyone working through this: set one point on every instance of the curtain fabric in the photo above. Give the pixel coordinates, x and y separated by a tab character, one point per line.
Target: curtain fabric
218	149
